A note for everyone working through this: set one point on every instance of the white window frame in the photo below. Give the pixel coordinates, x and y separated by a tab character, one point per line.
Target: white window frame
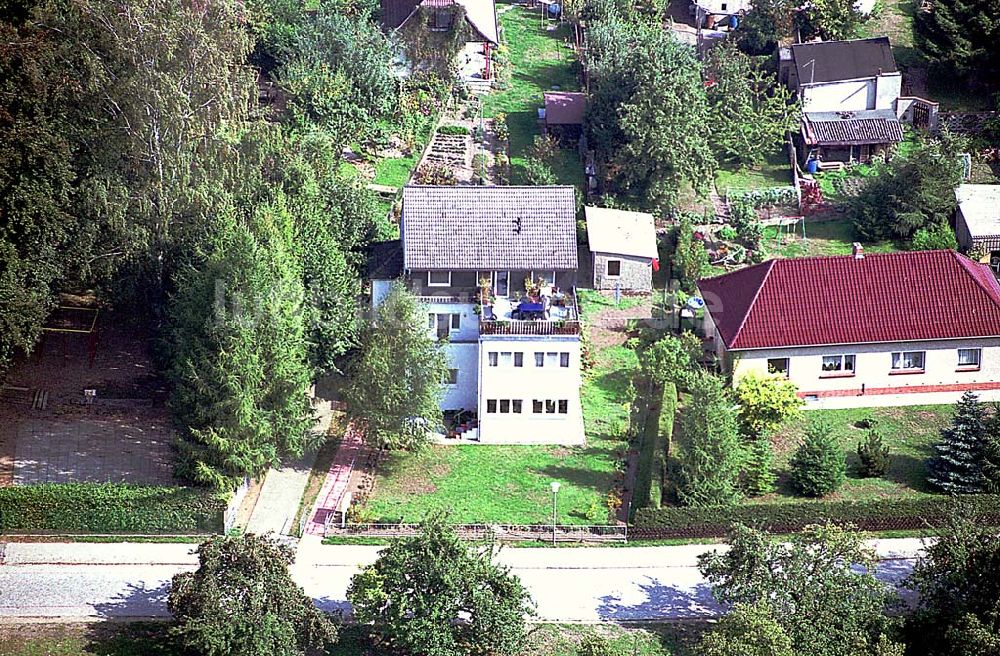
788	367
496	283
970	366
431	283
607	269
900	355
841	367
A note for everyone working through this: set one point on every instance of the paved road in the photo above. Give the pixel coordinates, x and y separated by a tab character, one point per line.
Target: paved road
569	585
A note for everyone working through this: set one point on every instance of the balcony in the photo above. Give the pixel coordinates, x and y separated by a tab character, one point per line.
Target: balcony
544	315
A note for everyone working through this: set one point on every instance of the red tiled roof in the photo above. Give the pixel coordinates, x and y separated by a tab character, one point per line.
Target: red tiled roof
888	297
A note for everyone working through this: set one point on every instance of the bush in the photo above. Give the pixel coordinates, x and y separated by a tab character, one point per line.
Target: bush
874	455
537	172
938	236
110	508
781	518
500	128
818	467
457	130
654	443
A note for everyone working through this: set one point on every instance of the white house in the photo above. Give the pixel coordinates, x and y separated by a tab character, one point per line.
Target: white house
849	92
858	328
623	248
496	268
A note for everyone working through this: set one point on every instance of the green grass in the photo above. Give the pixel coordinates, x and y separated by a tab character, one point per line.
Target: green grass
909	431
510	484
541	60
821	238
774	172
395	172
149	639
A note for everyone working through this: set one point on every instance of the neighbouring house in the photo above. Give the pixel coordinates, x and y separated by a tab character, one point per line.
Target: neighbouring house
496	267
716	14
623	249
977	222
564	112
849	92
475	62
860	327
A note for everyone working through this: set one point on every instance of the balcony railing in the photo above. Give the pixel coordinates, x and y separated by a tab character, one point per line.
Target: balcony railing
430	300
530	327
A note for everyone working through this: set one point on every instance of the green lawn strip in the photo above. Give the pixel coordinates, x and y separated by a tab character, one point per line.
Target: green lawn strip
593	302
541	60
821	238
909	431
150	639
775	172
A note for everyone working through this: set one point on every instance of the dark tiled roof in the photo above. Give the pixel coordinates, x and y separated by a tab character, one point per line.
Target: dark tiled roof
395	12
888	297
873	126
385	260
565	107
843	60
489	228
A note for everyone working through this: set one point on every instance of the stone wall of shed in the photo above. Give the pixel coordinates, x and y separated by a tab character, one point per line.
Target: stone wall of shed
636	272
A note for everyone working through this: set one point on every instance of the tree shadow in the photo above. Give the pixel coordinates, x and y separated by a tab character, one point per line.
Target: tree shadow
131	639
139	600
578	476
662	602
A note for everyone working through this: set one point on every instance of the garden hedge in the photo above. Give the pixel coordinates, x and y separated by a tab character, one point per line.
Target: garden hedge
653	443
872	515
110	508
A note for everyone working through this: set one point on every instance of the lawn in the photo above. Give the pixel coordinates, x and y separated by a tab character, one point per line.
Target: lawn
821	238
510	484
910	432
774	172
148	639
542	60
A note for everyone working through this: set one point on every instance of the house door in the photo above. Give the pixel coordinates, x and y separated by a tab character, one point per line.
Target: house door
501	285
443	326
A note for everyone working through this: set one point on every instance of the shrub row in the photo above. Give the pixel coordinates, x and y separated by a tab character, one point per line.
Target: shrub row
654	439
870	515
110	508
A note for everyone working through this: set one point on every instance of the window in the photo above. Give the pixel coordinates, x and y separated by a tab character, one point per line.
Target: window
614	268
550	407
551	359
723	6
506	359
539	359
908	361
778	366
519	359
563	407
515	406
491	406
969	358
564	359
505	406
451	377
456	322
536	406
838	364
501	283
439	278
493	356
444	324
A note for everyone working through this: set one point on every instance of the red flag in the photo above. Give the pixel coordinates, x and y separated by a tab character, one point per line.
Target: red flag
656	264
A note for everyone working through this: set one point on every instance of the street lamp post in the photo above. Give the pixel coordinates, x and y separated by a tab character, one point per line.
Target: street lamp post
555	491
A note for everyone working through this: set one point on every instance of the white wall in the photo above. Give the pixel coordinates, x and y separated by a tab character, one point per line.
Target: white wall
724	6
527	383
873	365
462	395
850	95
469	323
380	289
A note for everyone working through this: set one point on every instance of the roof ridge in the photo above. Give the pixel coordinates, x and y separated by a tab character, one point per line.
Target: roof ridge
753	301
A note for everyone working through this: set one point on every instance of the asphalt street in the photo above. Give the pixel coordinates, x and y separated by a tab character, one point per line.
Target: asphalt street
87	581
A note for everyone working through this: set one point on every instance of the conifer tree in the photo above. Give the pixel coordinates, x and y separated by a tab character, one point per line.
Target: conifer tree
956	467
711	455
818	467
991	453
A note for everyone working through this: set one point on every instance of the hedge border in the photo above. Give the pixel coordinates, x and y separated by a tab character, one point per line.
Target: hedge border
913	513
110	508
654	441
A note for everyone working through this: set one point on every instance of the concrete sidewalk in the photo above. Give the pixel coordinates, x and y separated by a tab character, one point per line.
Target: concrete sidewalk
279	499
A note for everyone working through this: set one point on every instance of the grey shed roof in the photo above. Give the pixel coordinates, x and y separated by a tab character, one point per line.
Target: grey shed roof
489	228
871	126
830	61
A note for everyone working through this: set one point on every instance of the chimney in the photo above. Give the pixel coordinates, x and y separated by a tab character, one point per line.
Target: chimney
858	251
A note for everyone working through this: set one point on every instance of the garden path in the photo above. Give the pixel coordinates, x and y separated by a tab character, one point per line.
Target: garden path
338	478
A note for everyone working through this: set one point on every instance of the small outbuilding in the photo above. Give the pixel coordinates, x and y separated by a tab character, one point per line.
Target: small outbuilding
977	222
623	249
564	113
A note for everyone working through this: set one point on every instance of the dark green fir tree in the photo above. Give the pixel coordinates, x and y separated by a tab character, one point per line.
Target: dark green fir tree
956	467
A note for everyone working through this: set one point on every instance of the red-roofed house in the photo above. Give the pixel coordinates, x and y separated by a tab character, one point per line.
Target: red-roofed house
862	325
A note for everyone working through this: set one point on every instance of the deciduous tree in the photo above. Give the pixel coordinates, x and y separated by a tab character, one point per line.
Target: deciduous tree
433	595
242	601
765	403
747	630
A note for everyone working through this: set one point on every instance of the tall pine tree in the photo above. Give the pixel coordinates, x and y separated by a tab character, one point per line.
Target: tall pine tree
711	453
956	467
961	36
